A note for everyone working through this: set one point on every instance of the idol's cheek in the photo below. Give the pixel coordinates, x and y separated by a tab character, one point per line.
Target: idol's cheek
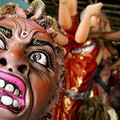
43	86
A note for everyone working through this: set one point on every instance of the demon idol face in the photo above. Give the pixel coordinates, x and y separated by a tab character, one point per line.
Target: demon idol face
28	69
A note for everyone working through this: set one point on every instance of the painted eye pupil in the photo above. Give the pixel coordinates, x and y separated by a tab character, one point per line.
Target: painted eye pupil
39	57
36	56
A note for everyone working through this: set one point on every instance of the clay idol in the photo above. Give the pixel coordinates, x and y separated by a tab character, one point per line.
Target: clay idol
31	64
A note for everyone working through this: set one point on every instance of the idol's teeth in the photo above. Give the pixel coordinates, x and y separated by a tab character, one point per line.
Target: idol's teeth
6	100
2	83
9	87
15	104
16	92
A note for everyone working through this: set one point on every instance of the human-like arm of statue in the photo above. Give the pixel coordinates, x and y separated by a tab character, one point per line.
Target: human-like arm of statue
64	17
84	26
61	39
109	36
58	37
72	6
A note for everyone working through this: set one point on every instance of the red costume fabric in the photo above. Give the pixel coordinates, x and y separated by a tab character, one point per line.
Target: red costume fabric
80	68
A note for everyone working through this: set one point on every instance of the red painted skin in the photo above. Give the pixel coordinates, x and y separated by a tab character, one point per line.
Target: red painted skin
33	64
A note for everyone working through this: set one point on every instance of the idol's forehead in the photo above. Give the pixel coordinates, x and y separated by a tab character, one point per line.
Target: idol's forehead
18	25
12	23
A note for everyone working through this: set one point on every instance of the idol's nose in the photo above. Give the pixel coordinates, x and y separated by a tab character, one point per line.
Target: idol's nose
15	60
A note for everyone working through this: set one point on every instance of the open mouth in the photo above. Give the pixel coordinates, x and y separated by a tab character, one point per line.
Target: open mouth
12	92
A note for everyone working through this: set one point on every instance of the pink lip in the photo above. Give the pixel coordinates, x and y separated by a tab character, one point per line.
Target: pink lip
16	81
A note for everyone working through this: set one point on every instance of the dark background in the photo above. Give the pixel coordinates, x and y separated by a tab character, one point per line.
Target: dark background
111	8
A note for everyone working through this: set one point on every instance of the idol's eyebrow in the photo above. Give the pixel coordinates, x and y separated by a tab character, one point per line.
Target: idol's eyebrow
6	32
36	42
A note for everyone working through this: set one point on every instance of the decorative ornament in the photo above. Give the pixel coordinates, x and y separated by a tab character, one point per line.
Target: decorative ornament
24	34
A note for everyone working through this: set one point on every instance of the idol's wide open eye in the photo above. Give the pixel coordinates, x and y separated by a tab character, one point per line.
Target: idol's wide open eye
2	44
39	57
